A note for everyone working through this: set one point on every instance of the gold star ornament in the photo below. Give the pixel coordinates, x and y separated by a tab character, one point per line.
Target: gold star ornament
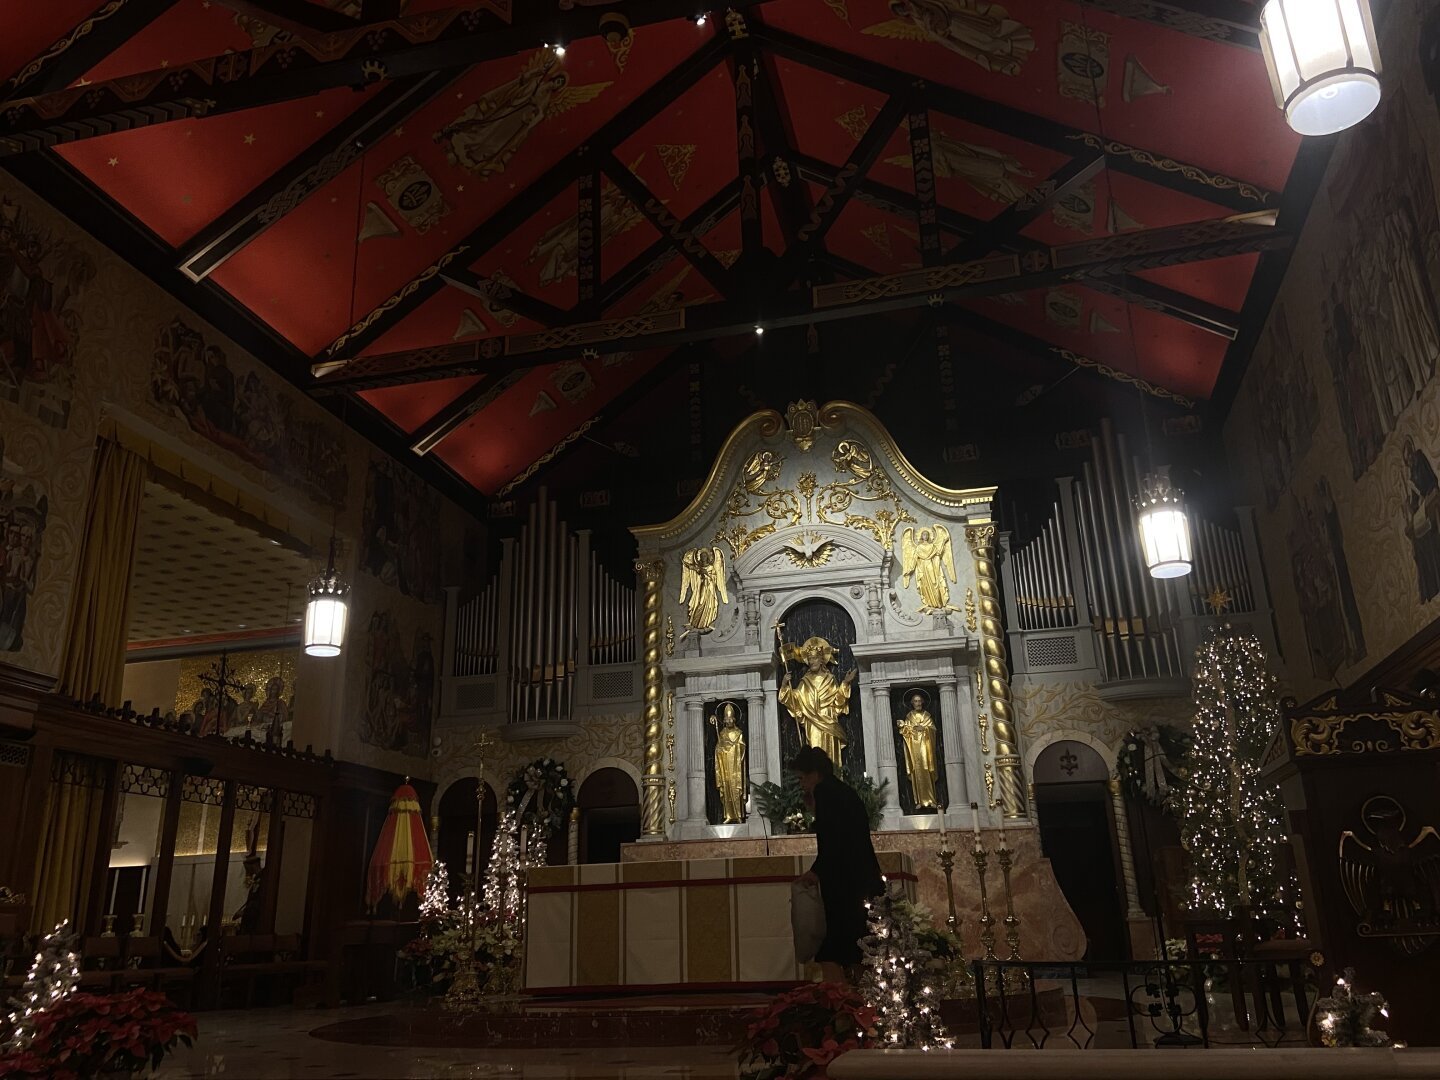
1217	600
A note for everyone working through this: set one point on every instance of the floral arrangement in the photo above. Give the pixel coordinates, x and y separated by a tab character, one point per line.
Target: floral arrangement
783	805
82	1034
548	812
804	1030
948	965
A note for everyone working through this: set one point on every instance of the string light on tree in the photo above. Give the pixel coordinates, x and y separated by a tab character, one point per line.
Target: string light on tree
897	981
1231	820
53	975
435	901
1347	1017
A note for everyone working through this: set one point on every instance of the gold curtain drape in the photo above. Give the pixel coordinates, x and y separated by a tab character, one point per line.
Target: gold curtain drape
66	854
100	605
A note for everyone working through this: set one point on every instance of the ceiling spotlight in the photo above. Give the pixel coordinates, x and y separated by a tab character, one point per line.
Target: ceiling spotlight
700	19
559	50
759	328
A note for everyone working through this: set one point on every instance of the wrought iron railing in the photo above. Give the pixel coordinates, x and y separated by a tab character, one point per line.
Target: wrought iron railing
1154	1003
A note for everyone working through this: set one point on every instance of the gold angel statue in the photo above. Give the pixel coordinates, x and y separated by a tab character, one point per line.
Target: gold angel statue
917	731
730	777
702	580
820	700
496	125
929	558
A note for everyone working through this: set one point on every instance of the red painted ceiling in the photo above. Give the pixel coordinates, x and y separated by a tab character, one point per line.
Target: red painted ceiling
347	249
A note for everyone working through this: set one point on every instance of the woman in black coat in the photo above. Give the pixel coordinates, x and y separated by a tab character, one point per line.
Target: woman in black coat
845	863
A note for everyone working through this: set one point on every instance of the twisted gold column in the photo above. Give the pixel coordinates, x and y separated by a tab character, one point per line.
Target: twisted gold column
981	538
651	573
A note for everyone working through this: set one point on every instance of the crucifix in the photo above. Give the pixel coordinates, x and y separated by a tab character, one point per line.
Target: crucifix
218	680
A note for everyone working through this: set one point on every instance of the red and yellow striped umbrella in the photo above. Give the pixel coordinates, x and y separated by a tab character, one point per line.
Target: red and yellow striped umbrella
402	858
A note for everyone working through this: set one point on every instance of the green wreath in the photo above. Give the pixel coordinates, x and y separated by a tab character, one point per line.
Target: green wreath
548	811
1145	755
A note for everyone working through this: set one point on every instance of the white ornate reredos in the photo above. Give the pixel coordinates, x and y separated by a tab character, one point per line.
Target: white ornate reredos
820	497
813	504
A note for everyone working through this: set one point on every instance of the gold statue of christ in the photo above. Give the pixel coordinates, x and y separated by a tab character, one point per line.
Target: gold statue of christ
820	699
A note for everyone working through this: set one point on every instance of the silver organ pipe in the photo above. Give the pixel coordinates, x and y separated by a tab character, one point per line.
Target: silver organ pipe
1044	599
476	636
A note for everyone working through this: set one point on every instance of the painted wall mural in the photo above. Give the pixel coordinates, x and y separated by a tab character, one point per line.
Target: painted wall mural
1335	434
401	681
24	509
243	414
42	280
401	546
164	373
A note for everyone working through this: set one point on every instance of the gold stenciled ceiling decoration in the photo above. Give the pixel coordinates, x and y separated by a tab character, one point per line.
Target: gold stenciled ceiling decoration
197	572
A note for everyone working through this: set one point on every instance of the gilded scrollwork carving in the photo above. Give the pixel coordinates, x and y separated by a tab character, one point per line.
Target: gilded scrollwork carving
1320	735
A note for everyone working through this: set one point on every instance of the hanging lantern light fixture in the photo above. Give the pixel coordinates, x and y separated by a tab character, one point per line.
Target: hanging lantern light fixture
1323	60
326	611
1164	527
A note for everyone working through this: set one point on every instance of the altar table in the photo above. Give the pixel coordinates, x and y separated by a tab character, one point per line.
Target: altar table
694	924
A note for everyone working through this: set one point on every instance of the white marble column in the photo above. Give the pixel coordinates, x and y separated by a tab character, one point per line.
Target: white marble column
695	761
957	749
885	751
755	752
872	737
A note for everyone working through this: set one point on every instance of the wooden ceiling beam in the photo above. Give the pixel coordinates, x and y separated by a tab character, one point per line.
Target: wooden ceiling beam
95	37
667	225
1004	228
882	196
285	190
1230	22
446	421
620	404
302	20
1135	161
526	203
654	258
452	39
928	287
497	294
837	194
1212	318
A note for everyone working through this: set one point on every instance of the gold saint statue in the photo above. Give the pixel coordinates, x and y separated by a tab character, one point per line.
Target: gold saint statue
820	700
729	763
702	579
930	559
917	730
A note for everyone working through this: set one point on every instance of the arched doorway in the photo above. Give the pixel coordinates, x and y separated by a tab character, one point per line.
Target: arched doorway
1077	835
457	826
609	815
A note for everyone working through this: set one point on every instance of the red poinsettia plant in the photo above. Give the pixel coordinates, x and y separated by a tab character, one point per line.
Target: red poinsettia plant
802	1031
84	1034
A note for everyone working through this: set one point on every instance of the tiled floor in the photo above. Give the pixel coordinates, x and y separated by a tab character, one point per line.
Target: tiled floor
275	1044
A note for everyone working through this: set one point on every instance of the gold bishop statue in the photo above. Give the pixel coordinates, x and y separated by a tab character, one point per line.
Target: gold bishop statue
729	763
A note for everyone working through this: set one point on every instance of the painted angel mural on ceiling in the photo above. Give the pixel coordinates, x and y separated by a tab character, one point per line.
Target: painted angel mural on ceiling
496	125
981	32
558	249
990	172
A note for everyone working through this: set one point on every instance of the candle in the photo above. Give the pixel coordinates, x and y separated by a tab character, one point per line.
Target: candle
1002	835
975	822
470	853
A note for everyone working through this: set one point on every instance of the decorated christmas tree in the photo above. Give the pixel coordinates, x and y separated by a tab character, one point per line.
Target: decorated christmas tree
435	897
503	874
899	977
53	975
1347	1016
1232	821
